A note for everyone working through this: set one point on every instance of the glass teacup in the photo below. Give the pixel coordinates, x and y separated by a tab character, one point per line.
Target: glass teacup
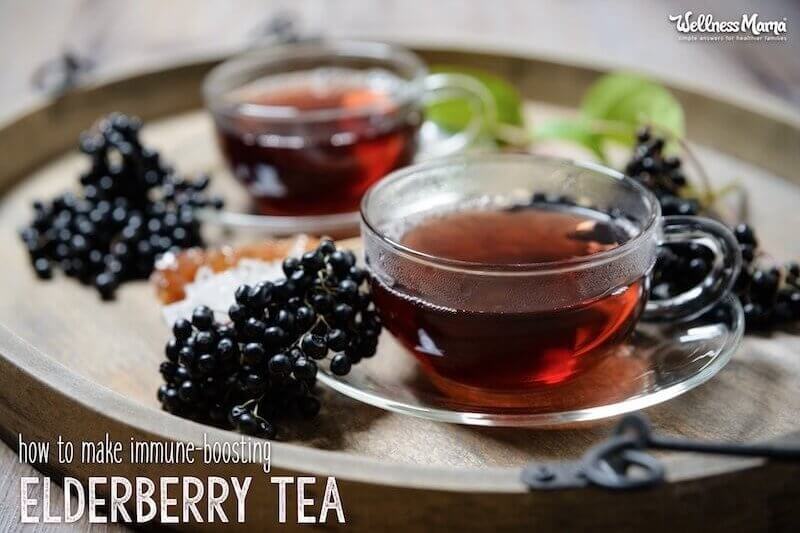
309	127
505	273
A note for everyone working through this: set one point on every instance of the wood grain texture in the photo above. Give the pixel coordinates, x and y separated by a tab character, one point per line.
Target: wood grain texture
397	468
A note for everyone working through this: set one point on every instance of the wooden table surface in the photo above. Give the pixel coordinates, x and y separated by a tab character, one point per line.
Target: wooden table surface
122	38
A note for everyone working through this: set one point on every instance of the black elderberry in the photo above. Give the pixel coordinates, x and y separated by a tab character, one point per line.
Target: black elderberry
170	399
343	313
314	346
764	285
305	317
204	341
227	348
358	275
745	235
237	313
313	261
247	423
327	247
322	303
285	320
167	370
43	268
290	264
242	294
300	278
253	354
355	351
340	364
186	356
188	391
182	374
234	414
304	368
274	336
337	340
206	363
260	295
106	284
279	365
172	350
254	329
340	263
348	289
203	318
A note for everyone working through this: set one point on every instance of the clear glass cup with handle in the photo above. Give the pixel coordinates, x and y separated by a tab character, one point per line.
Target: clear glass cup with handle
308	127
513	327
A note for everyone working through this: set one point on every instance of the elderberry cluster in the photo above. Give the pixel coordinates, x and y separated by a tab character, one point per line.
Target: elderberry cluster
679	267
261	366
661	174
770	295
131	208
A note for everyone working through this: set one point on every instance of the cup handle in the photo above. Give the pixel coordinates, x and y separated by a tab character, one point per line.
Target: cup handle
446	86
719	281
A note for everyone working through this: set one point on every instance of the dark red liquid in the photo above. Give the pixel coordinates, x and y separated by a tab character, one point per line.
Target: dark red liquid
514	350
318	165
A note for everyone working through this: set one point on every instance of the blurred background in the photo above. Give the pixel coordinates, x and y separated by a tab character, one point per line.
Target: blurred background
112	38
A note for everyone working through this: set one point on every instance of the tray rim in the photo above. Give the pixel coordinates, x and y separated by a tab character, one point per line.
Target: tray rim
39	370
38	115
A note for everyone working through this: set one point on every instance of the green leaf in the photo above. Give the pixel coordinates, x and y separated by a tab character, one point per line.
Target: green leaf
450	115
454	114
613	108
577	130
629	101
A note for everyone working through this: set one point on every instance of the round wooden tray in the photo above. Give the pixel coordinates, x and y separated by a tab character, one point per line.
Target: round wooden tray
75	367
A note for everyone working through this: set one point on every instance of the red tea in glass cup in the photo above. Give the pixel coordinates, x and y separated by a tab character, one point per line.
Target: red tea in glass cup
309	127
496	290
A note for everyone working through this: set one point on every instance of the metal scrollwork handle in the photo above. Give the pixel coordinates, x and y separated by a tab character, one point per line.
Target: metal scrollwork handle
621	462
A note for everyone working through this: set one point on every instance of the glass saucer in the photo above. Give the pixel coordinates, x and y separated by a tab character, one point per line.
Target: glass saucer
659	362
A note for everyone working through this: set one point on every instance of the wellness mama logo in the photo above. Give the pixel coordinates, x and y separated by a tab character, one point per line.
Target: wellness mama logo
750	27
